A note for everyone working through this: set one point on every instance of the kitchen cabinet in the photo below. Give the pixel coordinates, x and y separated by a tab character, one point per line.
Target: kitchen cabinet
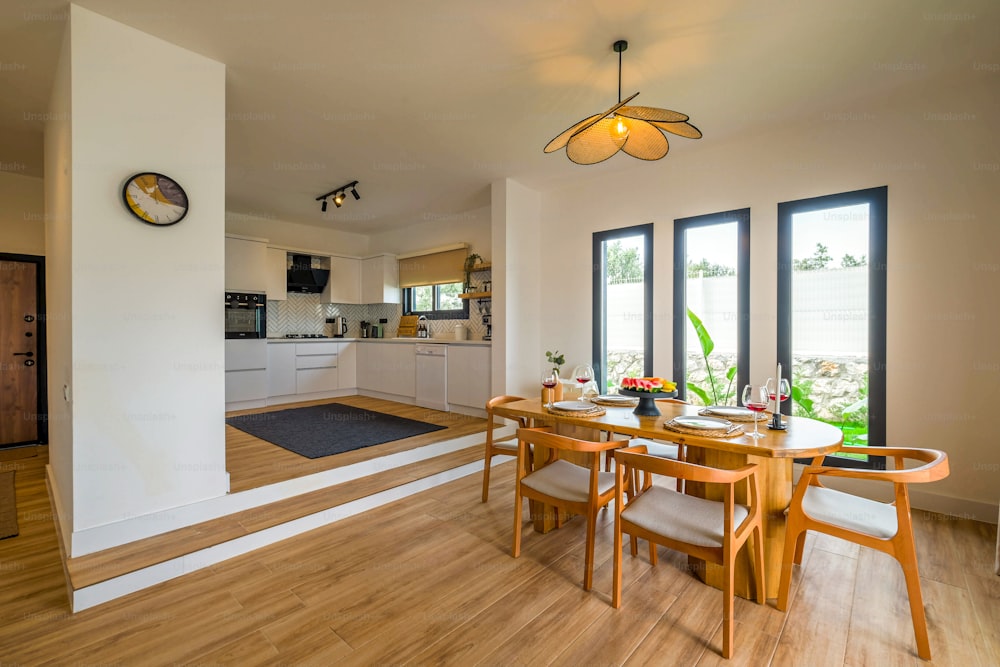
469	375
344	285
388	368
281	370
276	274
380	279
316	367
246	373
347	365
245	263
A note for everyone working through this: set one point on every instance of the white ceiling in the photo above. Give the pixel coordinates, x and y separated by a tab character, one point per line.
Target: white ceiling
427	102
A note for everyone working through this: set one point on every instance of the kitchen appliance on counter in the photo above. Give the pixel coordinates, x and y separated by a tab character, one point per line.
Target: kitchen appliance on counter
246	315
339	326
422	331
306	336
364	329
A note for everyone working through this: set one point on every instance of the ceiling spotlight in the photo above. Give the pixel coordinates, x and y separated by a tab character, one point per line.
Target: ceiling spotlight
338	195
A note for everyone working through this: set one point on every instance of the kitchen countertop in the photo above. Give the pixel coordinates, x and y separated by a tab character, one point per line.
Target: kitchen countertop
436	341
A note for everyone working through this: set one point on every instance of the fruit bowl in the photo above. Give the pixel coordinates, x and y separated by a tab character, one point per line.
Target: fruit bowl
647	400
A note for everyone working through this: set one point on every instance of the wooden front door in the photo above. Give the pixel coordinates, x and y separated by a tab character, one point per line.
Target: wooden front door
21	351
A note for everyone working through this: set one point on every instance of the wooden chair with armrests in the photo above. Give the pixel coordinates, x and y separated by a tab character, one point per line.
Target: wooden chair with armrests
666	450
562	484
506	446
711	530
885	527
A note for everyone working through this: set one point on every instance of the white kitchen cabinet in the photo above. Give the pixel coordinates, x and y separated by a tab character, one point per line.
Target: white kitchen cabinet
280	369
316	367
276	274
388	368
310	380
347	365
245	264
468	375
246	373
344	285
380	279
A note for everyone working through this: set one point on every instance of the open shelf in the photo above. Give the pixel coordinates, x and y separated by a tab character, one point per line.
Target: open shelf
476	295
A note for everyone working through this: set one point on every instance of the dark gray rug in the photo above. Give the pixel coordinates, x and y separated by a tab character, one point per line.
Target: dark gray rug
323	430
8	506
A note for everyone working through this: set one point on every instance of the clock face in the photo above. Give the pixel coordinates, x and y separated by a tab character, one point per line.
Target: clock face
155	198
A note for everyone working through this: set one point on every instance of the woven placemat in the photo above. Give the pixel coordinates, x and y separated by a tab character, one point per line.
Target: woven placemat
714	433
597	411
761	416
631	403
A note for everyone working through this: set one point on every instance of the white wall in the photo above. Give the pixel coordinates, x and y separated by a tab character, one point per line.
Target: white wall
22	214
58	286
147	343
294	235
472	227
943	275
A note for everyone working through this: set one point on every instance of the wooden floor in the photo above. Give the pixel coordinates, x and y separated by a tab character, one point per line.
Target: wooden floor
253	462
429	580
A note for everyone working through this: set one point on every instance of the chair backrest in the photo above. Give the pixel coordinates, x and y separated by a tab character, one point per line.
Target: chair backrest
490	418
935	465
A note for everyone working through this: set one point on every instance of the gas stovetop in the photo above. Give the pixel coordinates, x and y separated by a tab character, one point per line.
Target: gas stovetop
305	336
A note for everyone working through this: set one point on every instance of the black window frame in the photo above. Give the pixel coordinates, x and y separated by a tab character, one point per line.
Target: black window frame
436	314
742	218
599	331
877	200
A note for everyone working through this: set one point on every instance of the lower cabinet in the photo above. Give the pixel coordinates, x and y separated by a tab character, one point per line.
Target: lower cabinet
309	368
388	368
246	372
468	375
281	369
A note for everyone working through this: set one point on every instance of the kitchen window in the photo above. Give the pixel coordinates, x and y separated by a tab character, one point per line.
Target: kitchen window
436	302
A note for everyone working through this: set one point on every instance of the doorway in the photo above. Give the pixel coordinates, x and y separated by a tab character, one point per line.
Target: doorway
23	401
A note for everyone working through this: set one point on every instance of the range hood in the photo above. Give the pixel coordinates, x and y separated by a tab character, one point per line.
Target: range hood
304	279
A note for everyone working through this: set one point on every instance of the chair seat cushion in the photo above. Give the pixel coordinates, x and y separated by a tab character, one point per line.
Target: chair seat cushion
564	480
653	448
682	518
850	512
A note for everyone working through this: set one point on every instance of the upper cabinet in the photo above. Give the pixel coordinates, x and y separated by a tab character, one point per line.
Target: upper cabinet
344	285
245	262
380	279
276	274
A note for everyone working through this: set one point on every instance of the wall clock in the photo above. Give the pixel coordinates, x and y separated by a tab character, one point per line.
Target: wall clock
155	199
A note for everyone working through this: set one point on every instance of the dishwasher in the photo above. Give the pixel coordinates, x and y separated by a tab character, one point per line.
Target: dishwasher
432	377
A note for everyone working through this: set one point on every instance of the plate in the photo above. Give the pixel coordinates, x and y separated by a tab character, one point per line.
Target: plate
706	423
616	398
730	411
573	406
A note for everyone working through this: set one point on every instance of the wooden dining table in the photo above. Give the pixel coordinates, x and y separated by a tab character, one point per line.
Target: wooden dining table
774	454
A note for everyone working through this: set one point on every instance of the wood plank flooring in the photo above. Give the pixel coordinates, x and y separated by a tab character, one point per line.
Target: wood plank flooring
253	462
429	580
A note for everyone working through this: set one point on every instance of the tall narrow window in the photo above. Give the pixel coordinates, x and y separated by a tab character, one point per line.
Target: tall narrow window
623	304
711	307
831	313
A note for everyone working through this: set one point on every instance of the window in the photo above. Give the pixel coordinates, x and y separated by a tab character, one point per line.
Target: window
832	313
623	304
436	302
711	307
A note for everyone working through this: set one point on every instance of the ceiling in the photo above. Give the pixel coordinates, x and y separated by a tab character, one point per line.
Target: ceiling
427	102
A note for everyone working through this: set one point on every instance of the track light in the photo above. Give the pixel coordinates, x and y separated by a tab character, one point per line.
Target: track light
338	195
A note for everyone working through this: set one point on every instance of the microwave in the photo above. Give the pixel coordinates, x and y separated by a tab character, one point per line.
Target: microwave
246	315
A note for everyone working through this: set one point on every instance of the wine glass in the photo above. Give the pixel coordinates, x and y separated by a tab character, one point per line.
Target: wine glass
755	399
583	374
783	390
549	380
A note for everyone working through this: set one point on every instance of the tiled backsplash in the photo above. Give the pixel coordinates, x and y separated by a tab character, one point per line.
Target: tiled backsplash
304	314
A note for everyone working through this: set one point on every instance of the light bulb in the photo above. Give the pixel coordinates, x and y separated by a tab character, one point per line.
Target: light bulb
619	130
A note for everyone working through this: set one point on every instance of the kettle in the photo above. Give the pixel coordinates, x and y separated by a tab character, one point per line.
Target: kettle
339	327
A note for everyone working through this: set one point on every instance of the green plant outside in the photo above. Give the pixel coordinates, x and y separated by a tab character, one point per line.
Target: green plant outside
854	421
713	394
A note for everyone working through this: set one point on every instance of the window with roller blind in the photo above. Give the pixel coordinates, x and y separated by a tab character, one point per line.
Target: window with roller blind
432	282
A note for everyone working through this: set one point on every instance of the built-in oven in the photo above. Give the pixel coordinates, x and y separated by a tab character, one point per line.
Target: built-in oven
246	315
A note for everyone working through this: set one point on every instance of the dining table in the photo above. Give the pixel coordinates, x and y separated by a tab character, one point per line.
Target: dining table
774	454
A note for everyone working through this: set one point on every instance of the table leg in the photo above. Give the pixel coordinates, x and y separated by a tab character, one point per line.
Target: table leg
776	489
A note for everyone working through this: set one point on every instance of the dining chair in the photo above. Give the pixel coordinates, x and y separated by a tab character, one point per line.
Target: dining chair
506	446
667	450
561	484
885	527
711	530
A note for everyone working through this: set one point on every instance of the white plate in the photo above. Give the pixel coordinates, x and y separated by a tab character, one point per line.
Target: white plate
573	406
707	423
617	398
729	411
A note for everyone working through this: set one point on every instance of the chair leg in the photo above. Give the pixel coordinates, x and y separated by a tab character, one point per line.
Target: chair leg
486	475
616	589
588	575
800	547
758	564
727	608
906	554
652	552
633	543
518	502
794	538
